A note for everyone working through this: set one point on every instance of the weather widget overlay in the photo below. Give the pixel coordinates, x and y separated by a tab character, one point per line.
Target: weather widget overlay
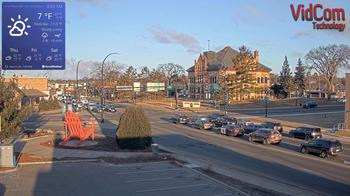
33	35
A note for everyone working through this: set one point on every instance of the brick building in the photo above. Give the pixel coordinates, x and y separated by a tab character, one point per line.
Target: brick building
205	75
24	82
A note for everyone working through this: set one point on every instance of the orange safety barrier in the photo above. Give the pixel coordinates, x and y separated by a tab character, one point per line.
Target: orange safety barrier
75	129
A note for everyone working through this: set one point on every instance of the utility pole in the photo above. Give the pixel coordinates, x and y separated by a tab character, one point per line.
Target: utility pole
102	83
77	80
208	44
226	92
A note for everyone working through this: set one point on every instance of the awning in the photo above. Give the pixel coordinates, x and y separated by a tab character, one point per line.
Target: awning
33	93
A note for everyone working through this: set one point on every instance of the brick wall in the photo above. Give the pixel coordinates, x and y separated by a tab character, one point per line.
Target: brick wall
39	83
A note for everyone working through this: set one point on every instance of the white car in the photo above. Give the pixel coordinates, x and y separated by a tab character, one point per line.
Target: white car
341	100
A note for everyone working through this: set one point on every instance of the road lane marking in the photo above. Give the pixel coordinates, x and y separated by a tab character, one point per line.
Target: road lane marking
151	179
172	188
148	171
279	149
223	194
300	114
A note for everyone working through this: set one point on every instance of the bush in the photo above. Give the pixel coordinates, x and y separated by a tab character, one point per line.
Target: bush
134	130
51	104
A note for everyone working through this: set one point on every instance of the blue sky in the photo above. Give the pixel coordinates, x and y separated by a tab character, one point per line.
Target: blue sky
151	32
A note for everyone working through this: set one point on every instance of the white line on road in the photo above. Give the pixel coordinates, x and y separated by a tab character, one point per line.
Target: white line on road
148	171
150	179
171	188
223	194
304	114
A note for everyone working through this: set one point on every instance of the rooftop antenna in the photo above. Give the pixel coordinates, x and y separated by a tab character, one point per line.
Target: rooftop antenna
208	44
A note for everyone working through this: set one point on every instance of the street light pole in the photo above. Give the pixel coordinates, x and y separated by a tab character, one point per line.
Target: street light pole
102	83
77	80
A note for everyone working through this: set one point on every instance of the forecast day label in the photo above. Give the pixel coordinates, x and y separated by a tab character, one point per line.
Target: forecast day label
33	35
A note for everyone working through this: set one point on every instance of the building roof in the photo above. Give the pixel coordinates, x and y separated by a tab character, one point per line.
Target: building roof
33	93
224	57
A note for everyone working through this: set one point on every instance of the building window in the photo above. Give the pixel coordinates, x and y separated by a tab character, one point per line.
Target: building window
265	79
258	80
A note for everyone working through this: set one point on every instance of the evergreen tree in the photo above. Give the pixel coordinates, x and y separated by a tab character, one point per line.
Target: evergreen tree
285	77
243	80
299	78
11	114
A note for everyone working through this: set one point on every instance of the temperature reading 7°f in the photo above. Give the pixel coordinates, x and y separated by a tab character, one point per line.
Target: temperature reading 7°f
47	15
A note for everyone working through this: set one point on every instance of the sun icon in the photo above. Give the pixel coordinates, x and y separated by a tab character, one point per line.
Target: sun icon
19	27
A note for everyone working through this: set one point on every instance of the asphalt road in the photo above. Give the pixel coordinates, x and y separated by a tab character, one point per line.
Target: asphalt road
330	114
283	167
95	178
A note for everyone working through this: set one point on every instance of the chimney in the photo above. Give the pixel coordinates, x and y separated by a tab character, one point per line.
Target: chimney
256	55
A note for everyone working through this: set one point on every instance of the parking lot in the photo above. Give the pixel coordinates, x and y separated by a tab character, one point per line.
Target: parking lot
109	179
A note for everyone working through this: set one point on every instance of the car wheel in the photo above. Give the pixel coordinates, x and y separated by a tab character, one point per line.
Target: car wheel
303	150
265	141
250	139
307	138
323	154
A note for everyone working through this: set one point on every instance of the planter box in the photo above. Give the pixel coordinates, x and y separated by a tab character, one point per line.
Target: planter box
6	156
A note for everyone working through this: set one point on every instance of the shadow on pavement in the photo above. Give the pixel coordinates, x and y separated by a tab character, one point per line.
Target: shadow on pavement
242	163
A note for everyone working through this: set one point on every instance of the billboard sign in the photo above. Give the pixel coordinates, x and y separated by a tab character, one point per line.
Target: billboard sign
137	86
33	35
124	88
155	87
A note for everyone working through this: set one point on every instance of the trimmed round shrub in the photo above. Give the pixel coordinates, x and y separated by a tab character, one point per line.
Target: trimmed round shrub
134	130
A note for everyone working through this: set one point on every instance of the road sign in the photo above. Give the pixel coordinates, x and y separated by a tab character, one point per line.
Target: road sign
124	88
137	86
266	100
155	87
33	35
169	88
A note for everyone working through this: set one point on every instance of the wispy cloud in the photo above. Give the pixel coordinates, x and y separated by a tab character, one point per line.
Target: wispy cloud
189	42
296	54
301	33
93	2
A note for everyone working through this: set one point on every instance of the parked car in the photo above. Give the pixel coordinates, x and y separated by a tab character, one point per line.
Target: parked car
306	133
202	124
310	104
180	119
91	105
273	125
266	136
322	147
221	121
243	122
341	100
110	108
213	116
252	128
97	109
232	130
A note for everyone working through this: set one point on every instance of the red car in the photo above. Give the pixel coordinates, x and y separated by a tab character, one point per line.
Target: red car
232	130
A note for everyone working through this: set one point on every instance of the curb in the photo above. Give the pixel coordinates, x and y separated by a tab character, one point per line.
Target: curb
11	170
63	161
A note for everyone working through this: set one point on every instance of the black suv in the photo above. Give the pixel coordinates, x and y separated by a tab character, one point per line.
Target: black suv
221	121
310	104
273	125
322	147
306	133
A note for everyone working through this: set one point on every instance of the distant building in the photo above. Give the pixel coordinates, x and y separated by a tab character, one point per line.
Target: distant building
32	89
205	75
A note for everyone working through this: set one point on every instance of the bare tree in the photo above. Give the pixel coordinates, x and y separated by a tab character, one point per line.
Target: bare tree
327	60
171	71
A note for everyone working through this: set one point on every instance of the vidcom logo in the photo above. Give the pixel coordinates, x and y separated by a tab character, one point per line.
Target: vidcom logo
321	18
